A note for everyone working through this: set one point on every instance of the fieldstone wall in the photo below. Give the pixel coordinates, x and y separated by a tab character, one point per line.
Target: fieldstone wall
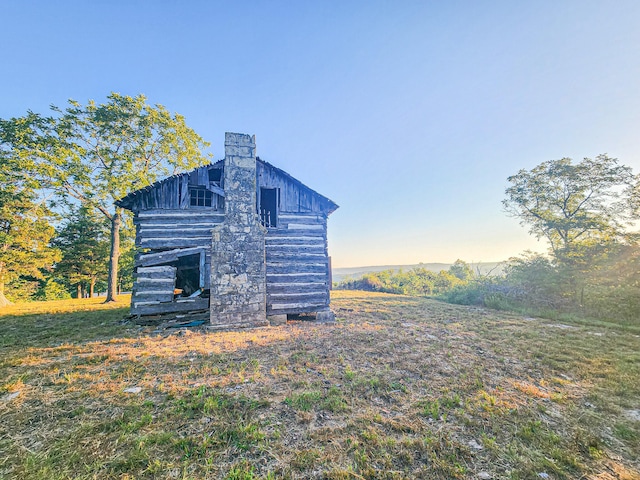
238	268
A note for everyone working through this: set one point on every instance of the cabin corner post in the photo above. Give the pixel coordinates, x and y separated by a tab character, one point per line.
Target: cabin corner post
238	268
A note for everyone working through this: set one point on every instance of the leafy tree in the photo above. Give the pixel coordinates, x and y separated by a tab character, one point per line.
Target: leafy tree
581	209
97	153
421	281
83	241
25	230
461	270
569	204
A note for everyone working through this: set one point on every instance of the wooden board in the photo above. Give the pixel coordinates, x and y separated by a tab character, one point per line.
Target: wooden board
295	277
175	242
165	271
308	241
149	259
170	307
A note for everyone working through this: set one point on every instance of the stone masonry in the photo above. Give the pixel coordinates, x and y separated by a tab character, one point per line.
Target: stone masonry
238	268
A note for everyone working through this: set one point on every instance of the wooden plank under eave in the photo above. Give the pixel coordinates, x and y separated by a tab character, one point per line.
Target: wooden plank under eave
175	242
176	233
193	212
175	226
302	217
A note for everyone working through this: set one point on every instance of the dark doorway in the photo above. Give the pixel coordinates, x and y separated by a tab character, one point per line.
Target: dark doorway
269	206
188	275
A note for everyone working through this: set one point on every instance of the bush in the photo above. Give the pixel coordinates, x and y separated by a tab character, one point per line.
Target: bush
613	302
53	290
418	281
472	293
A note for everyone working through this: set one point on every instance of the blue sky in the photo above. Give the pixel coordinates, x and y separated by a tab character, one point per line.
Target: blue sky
409	115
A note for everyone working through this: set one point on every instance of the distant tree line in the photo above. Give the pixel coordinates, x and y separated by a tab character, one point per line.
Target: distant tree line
60	232
417	281
587	212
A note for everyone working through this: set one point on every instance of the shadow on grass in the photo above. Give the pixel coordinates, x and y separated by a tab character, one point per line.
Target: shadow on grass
42	324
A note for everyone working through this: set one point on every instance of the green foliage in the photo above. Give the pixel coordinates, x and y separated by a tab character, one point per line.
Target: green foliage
534	284
470	293
83	240
461	270
53	290
25	230
581	209
103	151
571	204
418	281
97	153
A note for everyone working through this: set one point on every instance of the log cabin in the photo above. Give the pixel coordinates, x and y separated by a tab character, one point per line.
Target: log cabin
239	239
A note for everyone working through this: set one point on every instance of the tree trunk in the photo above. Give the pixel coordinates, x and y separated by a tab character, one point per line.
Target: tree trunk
3	300
112	282
79	290
92	286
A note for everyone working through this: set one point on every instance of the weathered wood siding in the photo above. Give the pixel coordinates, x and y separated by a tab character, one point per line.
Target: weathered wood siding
171	229
294	196
176	232
152	285
297	264
173	193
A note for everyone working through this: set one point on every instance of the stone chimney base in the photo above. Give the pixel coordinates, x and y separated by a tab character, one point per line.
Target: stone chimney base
238	267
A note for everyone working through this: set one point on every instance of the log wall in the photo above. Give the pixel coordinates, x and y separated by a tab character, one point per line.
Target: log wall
297	264
175	232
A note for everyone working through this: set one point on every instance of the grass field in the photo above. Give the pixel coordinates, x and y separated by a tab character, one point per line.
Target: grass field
399	387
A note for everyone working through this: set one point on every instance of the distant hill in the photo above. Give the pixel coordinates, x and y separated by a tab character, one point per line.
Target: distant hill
339	274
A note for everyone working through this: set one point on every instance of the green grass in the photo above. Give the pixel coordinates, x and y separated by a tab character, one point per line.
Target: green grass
399	387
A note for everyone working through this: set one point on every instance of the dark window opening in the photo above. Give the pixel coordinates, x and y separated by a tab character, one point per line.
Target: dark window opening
200	197
215	175
269	198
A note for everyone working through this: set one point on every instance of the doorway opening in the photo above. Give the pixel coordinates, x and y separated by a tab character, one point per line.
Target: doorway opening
269	199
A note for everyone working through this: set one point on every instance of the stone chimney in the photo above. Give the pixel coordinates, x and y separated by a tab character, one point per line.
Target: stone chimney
238	269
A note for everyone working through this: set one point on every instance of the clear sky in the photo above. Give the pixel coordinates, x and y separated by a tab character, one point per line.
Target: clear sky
409	115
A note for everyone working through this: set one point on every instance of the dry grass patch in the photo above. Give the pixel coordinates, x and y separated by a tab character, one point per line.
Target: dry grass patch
399	387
